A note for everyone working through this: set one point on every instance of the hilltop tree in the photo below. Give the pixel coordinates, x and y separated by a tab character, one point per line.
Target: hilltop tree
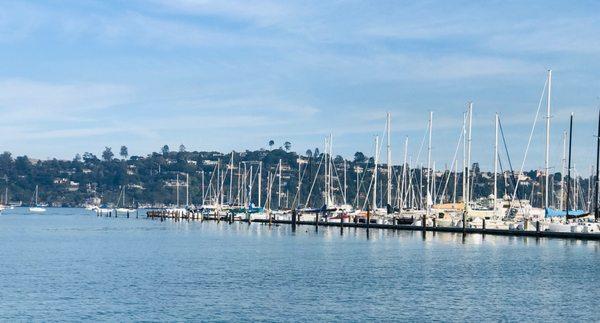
308	153
287	145
271	143
107	154
89	157
359	157
181	148
165	150
124	152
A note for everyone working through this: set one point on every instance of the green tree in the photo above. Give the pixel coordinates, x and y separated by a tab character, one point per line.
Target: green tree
309	153
124	152
107	154
271	143
165	150
287	145
359	157
181	148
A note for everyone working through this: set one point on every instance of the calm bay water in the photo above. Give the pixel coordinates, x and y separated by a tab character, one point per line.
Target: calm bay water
68	264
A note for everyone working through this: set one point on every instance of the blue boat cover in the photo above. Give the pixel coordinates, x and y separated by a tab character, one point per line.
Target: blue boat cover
551	213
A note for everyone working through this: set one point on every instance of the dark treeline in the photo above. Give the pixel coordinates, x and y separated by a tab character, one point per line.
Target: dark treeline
151	179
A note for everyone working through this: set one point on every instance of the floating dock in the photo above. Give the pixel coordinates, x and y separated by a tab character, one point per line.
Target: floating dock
178	216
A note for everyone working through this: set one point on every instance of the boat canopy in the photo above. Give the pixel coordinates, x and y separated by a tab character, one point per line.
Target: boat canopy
551	213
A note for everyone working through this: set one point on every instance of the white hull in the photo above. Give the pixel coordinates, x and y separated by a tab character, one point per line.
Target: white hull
37	209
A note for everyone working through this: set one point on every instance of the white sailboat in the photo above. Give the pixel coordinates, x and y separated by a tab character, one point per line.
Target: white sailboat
36	208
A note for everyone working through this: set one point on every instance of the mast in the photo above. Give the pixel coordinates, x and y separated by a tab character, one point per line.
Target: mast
596	213
279	188
404	170
345	182
326	172
389	160
231	180
496	165
375	173
464	167
547	154
428	195
202	175
177	189
563	171
469	152
569	164
259	183
187	190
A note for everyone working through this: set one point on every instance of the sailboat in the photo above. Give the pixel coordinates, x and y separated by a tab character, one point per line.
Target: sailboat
36	208
123	208
570	214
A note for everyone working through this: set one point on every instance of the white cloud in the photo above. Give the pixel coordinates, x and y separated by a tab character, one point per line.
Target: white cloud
22	99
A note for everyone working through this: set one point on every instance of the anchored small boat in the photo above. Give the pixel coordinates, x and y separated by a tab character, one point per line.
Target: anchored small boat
37	208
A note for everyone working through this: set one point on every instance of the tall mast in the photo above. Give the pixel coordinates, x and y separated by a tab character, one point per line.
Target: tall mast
389	160
375	173
563	171
404	170
569	164
345	183
177	189
464	167
259	183
325	171
547	154
279	188
428	195
496	164
202	175
469	152
187	190
596	213
231	180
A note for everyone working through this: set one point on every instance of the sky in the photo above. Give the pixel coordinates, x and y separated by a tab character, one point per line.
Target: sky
80	75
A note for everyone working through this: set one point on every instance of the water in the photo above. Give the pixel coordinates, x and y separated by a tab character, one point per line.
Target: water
68	264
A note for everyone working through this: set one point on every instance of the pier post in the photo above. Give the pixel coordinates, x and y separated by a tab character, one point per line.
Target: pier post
537	227
464	222
424	222
317	219
128	214
368	218
434	222
293	220
483	224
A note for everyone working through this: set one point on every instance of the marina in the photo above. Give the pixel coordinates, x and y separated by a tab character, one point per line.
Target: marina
68	264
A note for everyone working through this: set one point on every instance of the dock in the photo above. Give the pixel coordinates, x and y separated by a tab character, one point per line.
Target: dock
178	216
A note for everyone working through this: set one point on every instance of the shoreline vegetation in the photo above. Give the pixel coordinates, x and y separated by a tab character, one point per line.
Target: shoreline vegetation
153	180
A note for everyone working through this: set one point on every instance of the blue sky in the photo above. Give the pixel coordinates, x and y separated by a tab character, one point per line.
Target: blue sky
80	75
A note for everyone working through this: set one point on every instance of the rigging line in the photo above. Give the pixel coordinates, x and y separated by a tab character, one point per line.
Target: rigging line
454	158
513	180
314	181
299	187
530	136
422	144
